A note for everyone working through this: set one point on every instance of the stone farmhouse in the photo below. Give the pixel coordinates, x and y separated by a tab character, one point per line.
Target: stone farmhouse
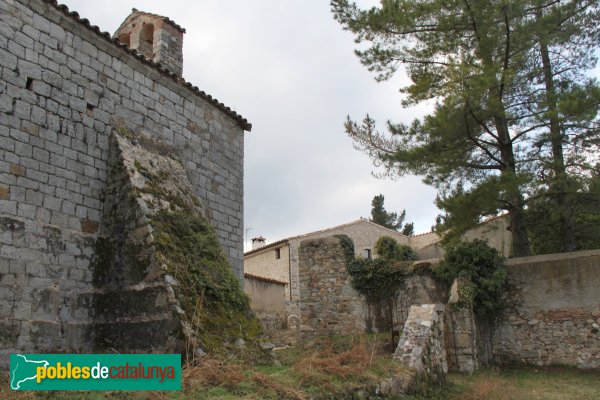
82	112
279	260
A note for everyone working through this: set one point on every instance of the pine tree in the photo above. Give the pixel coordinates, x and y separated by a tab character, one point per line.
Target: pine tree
565	36
483	144
409	229
380	216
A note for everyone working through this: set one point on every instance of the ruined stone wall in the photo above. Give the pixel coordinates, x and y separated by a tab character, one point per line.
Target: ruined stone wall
64	88
328	304
418	288
422	344
363	233
556	317
461	338
326	289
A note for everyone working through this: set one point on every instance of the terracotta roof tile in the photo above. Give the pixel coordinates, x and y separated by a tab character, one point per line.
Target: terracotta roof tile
241	121
262	278
364	220
166	19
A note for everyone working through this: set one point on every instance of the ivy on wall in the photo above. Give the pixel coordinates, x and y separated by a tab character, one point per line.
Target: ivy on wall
481	274
381	278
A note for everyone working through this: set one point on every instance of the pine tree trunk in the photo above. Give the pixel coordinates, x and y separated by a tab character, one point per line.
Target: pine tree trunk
514	197
518	228
560	184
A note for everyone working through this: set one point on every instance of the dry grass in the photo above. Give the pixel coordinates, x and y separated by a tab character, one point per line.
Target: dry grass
323	365
6	393
282	391
340	367
212	372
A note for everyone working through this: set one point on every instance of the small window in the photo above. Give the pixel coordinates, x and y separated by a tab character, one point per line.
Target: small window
277	254
367	254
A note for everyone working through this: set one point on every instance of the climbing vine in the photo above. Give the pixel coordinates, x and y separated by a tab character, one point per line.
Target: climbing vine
386	247
481	274
377	279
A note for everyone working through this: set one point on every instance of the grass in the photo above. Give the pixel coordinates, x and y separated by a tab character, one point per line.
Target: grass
344	368
520	382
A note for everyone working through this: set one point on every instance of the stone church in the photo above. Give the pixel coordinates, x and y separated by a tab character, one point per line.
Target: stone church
85	118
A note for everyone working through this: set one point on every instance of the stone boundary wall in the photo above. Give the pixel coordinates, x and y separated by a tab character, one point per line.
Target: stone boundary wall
267	300
556	318
64	88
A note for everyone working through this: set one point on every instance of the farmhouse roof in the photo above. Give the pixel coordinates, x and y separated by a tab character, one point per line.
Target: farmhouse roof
286	240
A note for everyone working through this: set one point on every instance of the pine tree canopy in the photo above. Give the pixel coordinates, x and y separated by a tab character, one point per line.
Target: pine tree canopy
514	110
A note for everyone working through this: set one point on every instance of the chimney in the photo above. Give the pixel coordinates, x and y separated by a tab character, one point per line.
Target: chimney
155	37
258	242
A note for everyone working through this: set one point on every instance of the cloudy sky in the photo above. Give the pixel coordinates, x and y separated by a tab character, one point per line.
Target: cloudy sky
289	68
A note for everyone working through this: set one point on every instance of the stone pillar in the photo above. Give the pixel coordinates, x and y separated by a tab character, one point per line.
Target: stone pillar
461	333
421	345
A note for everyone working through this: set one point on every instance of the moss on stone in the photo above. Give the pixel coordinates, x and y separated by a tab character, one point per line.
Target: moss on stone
211	296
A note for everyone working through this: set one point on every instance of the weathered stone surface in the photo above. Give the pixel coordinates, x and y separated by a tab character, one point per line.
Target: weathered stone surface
422	346
328	304
555	307
4	192
461	338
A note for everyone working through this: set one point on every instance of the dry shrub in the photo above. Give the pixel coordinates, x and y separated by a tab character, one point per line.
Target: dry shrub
154	395
319	367
6	393
212	372
283	391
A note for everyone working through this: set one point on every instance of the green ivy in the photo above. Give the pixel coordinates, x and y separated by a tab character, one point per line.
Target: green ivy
483	278
209	292
377	279
387	247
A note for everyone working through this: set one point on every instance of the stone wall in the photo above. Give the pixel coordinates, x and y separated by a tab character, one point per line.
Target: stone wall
462	352
418	288
556	315
326	289
363	233
422	345
267	300
328	304
65	87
